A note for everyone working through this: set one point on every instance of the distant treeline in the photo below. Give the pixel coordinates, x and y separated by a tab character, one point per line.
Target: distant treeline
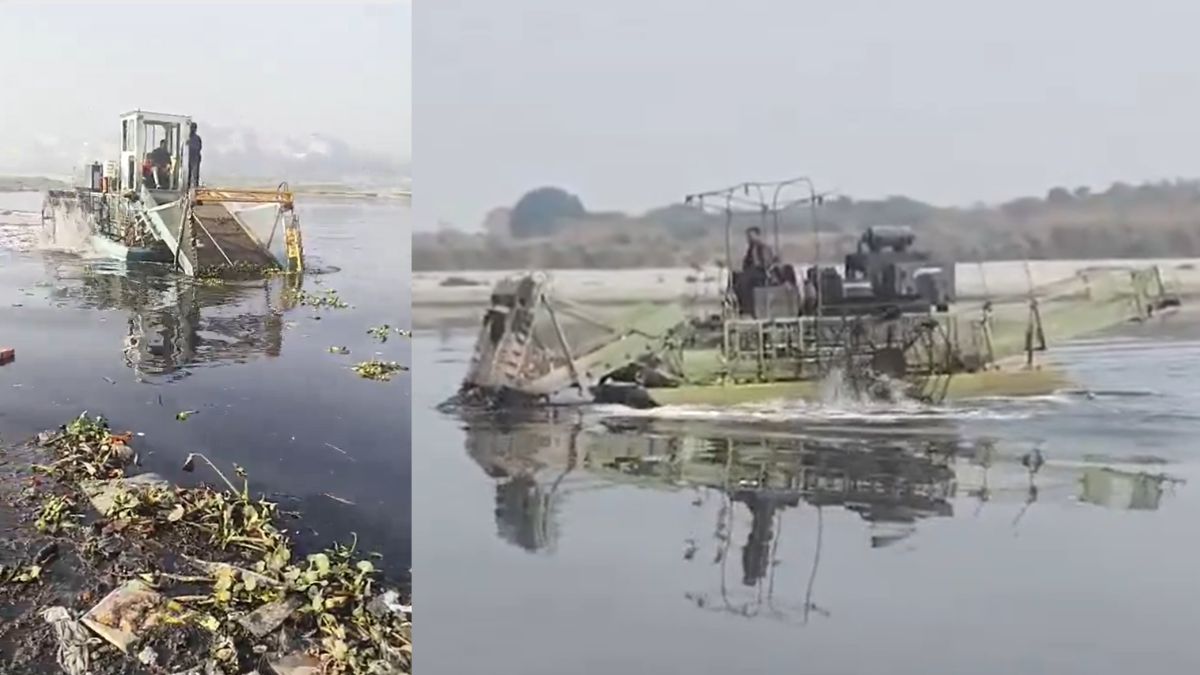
29	183
550	228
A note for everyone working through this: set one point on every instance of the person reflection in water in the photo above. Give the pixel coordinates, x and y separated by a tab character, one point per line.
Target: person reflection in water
756	554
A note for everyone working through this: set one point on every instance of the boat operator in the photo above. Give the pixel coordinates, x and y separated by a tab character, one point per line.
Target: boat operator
160	160
193	147
761	267
758	267
760	258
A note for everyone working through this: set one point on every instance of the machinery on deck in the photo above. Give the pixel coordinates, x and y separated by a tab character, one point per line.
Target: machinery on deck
143	207
527	352
886	326
886	273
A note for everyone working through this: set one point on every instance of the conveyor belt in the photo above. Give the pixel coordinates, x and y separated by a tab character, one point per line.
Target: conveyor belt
221	239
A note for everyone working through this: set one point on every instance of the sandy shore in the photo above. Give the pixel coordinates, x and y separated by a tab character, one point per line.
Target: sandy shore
441	297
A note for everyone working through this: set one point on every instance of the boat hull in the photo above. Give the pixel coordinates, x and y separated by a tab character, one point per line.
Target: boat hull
108	248
1039	381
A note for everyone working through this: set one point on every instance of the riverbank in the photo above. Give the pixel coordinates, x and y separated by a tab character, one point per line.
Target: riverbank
456	297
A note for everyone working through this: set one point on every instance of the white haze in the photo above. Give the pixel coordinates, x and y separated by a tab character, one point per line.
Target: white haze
323	91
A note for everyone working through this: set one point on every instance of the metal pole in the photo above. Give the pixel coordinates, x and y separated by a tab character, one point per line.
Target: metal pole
562	341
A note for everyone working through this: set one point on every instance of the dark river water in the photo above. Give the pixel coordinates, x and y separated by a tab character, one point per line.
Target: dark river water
139	345
829	540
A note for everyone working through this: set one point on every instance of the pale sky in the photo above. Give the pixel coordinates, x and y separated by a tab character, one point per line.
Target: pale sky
280	69
633	103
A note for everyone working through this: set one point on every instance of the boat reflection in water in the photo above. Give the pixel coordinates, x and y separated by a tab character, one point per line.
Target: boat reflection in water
892	481
176	322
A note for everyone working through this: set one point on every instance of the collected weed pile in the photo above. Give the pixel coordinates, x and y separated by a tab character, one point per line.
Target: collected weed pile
221	583
238	271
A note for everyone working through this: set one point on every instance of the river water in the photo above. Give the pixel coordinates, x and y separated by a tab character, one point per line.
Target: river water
139	345
819	539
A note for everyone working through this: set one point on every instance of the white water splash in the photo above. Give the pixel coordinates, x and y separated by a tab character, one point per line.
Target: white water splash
838	391
66	229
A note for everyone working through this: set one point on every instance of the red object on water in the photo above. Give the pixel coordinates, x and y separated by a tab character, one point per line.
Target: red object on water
7	355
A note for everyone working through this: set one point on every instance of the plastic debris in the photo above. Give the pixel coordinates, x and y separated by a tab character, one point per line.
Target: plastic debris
388	601
125	614
72	654
296	664
104	493
269	617
148	657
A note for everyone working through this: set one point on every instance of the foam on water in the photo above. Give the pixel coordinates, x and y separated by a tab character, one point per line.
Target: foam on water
862	412
18	232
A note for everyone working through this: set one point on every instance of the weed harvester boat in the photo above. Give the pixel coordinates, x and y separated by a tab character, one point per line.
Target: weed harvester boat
887	324
133	210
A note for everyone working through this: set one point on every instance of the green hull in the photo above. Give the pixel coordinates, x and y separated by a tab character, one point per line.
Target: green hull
1068	310
1013	382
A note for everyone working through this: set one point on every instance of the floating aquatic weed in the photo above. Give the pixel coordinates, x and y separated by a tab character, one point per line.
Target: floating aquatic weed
339	350
382	333
329	298
184	414
378	370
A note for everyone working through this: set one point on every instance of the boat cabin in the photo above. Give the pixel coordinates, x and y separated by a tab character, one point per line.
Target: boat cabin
152	151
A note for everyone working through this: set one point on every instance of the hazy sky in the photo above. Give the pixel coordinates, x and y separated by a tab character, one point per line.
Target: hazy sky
633	103
291	69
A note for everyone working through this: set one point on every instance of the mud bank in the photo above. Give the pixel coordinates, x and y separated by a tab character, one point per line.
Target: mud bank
995	278
167	579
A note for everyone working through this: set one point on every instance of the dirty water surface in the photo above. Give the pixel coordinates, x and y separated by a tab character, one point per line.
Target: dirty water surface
1044	535
240	372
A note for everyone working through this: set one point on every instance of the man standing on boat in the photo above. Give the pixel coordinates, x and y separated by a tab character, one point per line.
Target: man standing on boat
193	146
760	257
759	267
